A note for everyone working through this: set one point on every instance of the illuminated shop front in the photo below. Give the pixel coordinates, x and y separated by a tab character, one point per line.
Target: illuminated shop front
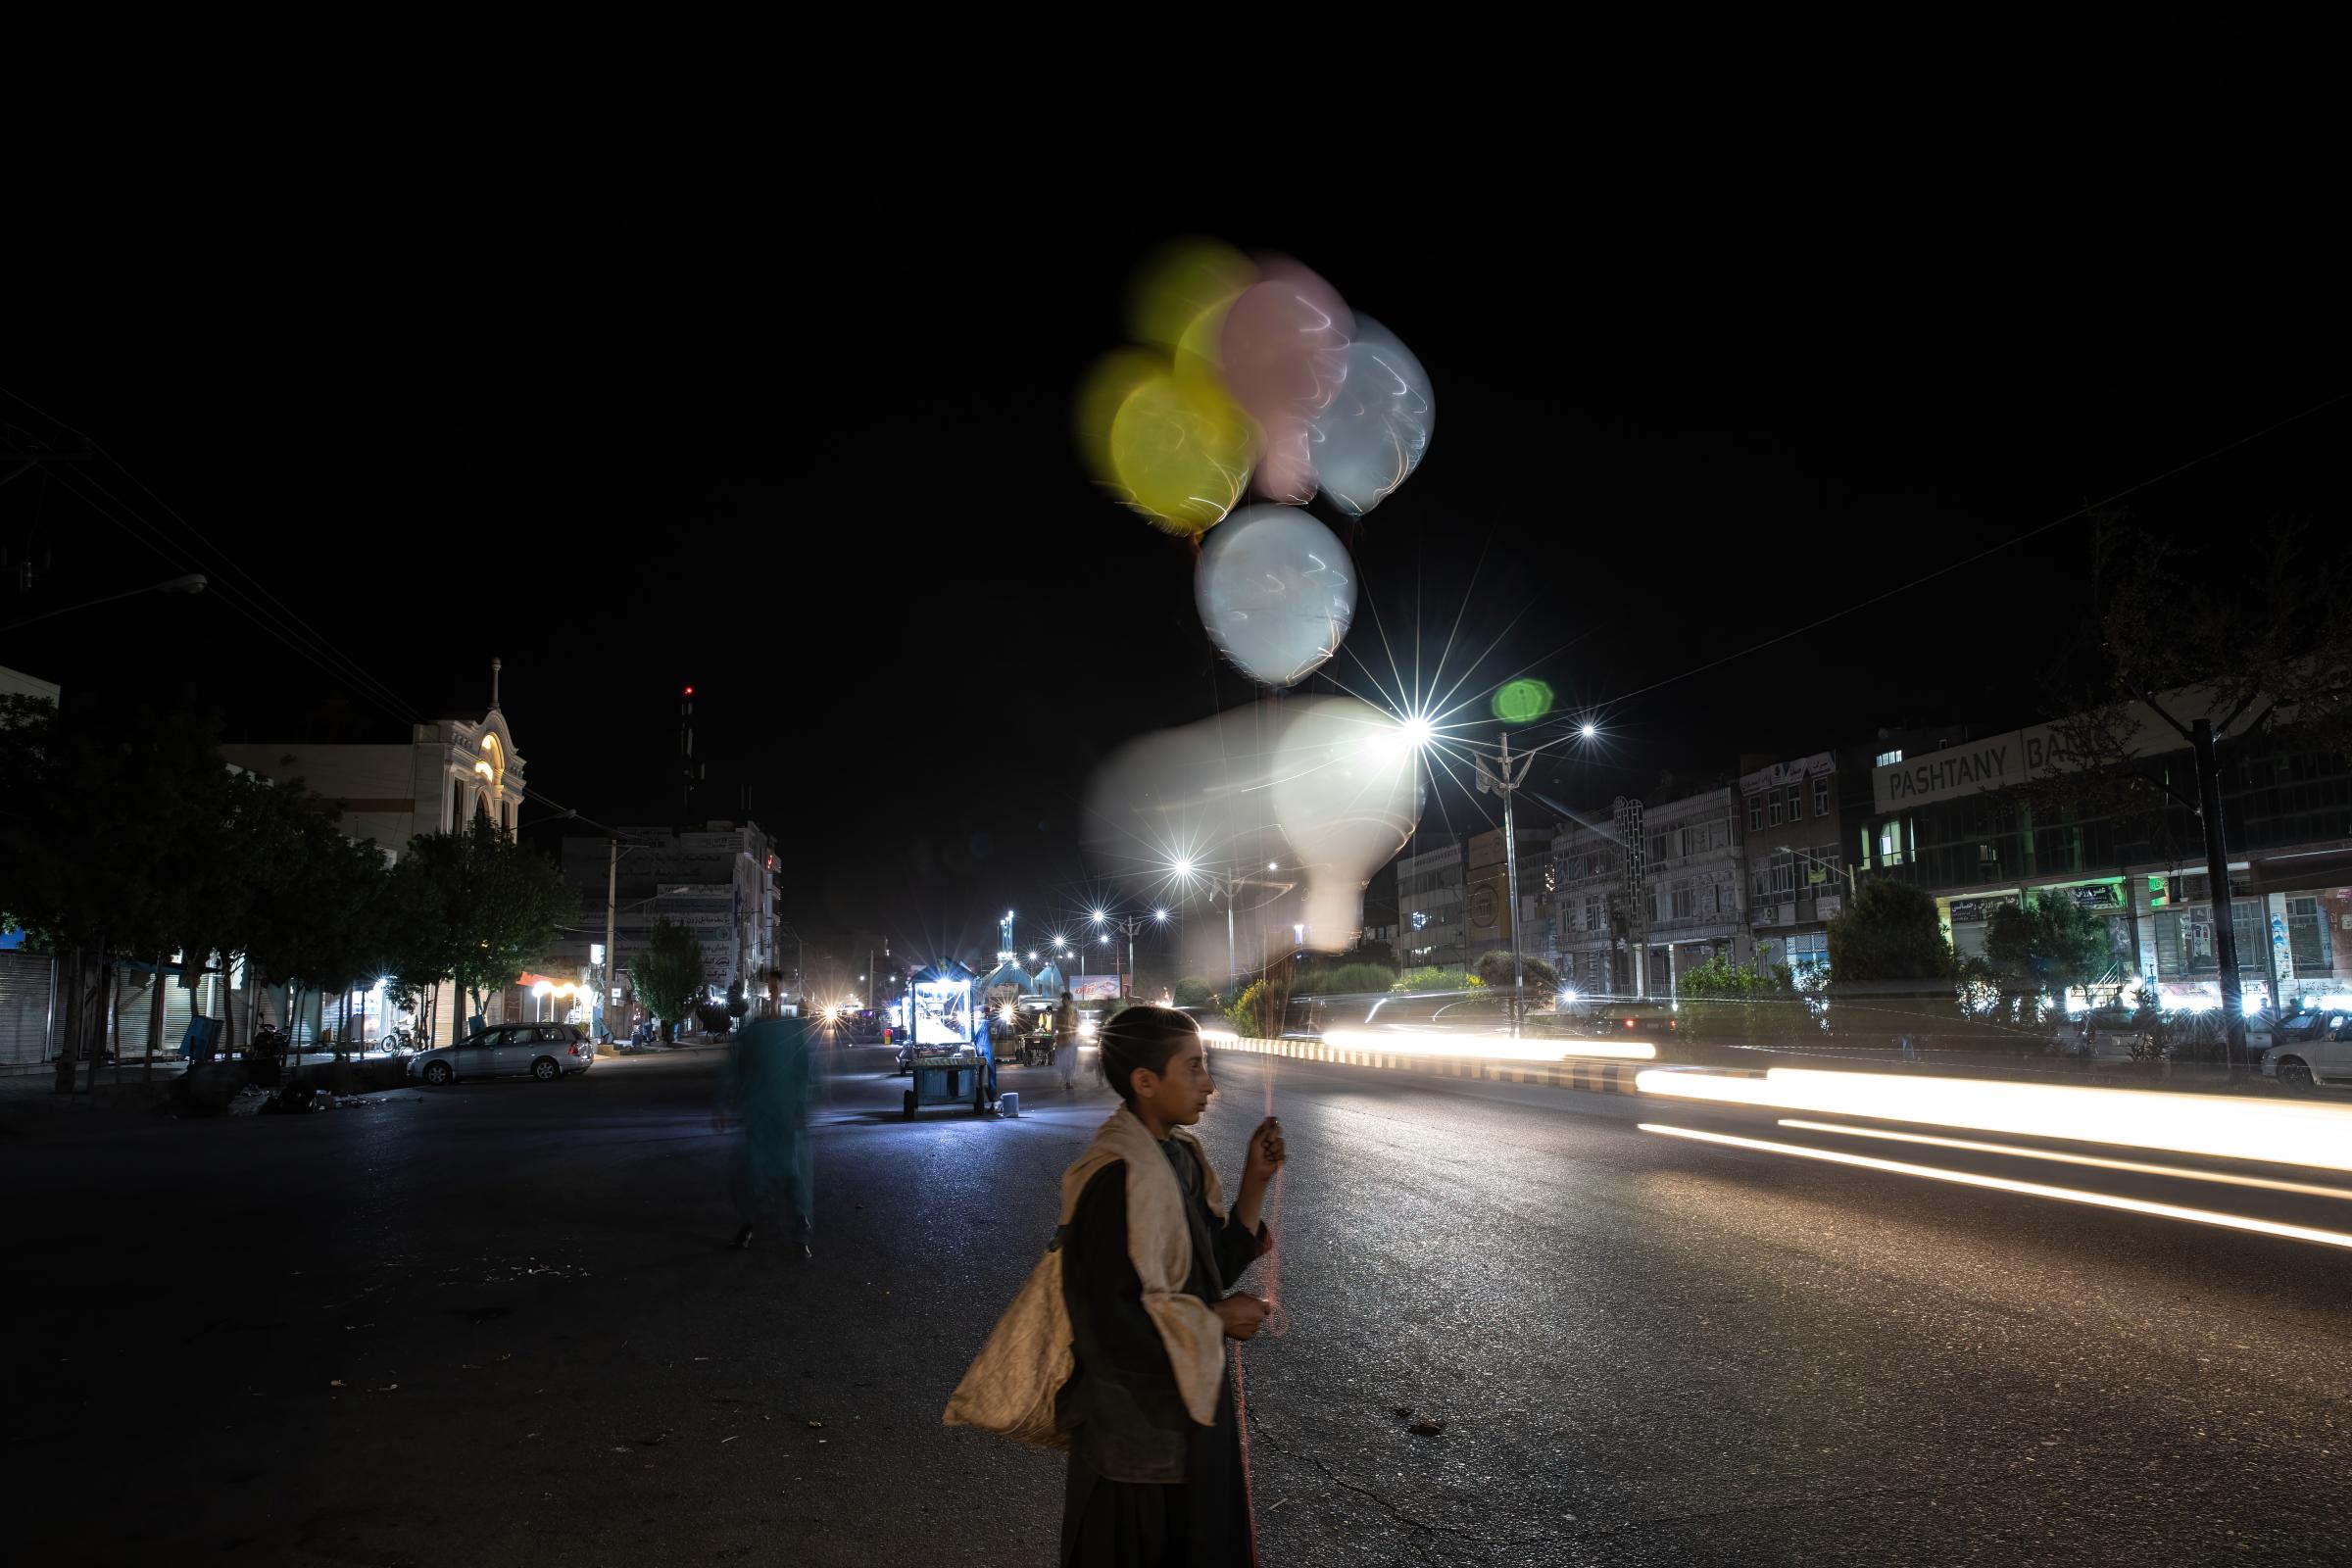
1961	824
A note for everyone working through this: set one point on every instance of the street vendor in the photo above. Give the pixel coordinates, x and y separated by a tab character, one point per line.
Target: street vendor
1155	1472
1065	1044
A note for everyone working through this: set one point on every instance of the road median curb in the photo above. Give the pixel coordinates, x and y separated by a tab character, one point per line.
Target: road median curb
1594	1077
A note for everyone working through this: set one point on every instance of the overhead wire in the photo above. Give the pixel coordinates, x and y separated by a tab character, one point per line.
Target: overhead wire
2079	512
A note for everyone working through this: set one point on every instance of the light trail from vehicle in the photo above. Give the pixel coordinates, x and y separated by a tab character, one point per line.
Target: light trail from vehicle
2136	1167
2003	1184
2264	1132
1489	1048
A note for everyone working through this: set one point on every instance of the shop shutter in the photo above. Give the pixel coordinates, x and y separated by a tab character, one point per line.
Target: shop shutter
25	984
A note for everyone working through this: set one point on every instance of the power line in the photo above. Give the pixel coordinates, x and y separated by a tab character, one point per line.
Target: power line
1966	561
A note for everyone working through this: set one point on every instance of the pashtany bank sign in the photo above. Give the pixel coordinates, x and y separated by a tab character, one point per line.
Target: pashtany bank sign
1989	764
2024	755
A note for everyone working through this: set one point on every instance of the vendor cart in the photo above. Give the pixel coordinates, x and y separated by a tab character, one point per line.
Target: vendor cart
943	1079
944	1063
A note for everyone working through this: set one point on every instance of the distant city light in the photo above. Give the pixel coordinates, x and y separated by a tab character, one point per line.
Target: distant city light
1183	868
1271	866
1588	729
1098	917
1159	914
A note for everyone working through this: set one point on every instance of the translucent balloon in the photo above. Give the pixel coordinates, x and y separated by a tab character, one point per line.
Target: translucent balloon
1328	787
1180	283
1347	781
1284	348
1276	591
1378	424
1174	447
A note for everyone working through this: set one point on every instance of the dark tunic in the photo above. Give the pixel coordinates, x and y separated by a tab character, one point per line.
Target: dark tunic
1148	1484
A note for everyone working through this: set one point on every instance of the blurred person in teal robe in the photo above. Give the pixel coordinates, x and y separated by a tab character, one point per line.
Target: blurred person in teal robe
766	1088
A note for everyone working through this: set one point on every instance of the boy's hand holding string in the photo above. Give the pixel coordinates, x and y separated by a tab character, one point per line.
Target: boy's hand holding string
1242	1315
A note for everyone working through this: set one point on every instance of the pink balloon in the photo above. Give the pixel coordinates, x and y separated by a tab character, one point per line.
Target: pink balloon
1286	353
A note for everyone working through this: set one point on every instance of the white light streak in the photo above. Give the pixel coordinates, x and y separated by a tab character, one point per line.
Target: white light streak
2002	1184
1489	1048
2225	1127
2135	1166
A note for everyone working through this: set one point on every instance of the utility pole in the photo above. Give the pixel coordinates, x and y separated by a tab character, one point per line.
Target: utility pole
611	913
1503	780
2217	871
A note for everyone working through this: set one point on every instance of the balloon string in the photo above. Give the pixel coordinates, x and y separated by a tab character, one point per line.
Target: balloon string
1241	1421
1278	1322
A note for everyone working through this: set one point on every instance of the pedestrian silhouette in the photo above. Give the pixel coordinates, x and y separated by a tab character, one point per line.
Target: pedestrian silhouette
765	1088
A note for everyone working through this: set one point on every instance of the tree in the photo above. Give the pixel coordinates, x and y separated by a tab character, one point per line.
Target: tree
2044	947
2199	648
103	807
421	938
1351	978
1539	975
1257	1012
509	902
1888	931
1193	992
317	897
669	974
1433	977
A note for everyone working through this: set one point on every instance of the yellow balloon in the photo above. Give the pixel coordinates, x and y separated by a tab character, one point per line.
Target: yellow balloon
1174	447
1182	453
1180	281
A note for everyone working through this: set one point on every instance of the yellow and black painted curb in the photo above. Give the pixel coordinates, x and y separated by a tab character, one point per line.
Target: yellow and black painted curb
1597	1077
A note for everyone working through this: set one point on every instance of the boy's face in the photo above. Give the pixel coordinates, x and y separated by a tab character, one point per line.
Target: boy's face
1178	1094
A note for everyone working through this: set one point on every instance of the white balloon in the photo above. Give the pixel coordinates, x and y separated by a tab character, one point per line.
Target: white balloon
1277	592
1328	787
1346	784
1373	433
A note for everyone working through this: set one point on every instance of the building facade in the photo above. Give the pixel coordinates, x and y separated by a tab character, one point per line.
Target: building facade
718	881
1631	926
448	774
1992	821
1797	875
1488	918
1429	901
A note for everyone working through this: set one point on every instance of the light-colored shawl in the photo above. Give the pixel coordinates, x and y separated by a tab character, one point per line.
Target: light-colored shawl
1011	1386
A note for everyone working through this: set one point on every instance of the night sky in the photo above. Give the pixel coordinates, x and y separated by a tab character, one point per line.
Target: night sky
816	459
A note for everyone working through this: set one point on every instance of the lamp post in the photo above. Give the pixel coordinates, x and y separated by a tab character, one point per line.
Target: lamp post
1130	924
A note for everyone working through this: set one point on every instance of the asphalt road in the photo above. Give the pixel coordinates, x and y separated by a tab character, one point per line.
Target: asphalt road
496	1324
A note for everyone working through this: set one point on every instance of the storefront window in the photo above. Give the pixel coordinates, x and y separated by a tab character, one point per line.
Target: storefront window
2184	940
2307	936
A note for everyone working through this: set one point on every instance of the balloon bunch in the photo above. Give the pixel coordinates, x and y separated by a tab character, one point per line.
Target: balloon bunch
1256	377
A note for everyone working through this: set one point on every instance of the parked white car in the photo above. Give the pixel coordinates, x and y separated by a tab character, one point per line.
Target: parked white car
546	1051
2306	1054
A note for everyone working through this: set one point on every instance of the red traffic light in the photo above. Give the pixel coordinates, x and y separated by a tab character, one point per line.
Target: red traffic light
690	691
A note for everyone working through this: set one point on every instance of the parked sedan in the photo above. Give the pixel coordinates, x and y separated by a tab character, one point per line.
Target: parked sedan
546	1051
2314	1049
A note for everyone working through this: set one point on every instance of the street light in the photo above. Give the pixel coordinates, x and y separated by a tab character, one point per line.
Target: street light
192	583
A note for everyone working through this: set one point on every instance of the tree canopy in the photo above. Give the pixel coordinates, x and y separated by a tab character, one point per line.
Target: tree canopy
1888	931
668	973
2044	947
